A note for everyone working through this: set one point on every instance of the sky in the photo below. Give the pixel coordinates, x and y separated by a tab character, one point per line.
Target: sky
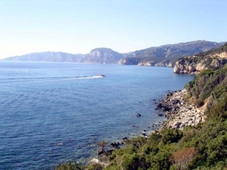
78	26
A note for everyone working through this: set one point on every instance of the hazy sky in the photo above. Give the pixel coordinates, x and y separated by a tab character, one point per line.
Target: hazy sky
78	26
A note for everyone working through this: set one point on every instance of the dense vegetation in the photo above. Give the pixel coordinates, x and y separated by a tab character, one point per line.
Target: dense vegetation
202	148
210	86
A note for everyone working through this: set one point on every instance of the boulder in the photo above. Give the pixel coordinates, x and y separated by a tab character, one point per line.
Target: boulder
138	115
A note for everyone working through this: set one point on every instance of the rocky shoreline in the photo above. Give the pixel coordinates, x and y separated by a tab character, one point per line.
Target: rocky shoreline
179	113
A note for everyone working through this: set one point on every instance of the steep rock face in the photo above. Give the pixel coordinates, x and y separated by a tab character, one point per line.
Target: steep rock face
157	56
184	66
208	60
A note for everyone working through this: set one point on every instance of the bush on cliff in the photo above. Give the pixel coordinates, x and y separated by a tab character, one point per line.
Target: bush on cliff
212	85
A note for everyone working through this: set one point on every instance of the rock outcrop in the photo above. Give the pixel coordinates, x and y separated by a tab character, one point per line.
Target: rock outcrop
179	113
208	60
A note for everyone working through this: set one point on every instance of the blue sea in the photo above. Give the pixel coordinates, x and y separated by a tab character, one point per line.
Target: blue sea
51	113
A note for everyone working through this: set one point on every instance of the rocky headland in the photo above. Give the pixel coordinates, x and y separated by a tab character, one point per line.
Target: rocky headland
212	59
179	112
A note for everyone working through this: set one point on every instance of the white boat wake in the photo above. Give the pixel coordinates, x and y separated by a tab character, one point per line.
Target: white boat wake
89	77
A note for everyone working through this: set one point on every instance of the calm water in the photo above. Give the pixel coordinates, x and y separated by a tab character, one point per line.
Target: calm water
52	112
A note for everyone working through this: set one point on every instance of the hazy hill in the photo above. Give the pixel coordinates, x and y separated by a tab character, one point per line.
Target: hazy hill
211	59
166	55
98	55
47	57
102	55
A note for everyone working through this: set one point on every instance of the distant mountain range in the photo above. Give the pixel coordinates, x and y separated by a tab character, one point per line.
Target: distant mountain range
99	55
47	57
165	55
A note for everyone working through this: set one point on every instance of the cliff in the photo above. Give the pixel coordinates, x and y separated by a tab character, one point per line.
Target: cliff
212	59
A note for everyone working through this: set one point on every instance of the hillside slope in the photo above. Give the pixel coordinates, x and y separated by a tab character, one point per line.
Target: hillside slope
210	87
200	147
211	59
166	55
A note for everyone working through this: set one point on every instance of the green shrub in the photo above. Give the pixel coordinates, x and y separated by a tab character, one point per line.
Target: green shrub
130	162
169	136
